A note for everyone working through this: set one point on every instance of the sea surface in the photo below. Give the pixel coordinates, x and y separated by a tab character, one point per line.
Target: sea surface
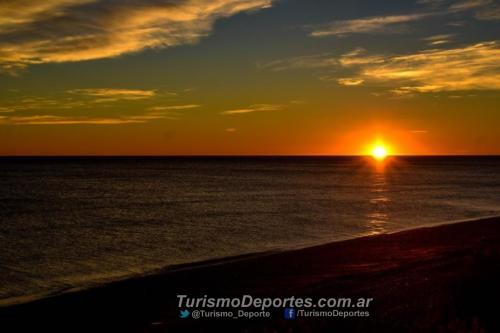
73	222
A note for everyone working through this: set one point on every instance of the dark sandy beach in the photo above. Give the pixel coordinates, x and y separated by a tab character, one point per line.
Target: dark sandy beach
436	279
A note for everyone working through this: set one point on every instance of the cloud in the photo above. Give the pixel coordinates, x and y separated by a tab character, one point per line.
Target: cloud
175	107
54	31
433	3
36	102
16	108
457	5
365	25
350	81
486	10
489	14
58	120
6	109
468	5
78	98
470	67
254	108
473	67
112	95
81	120
439	39
308	61
354	58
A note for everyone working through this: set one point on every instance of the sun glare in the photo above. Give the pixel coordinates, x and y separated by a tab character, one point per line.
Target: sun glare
379	152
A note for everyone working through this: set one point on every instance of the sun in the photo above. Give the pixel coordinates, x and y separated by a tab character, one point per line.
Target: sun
379	152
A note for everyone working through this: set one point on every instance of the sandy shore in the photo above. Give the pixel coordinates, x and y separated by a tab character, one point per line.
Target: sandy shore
438	279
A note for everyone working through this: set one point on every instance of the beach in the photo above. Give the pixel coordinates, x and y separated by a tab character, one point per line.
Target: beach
432	279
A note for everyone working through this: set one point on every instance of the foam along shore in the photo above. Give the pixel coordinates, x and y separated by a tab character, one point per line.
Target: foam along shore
433	279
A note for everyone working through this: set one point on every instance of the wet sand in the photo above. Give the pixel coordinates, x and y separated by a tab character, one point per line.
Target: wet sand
437	279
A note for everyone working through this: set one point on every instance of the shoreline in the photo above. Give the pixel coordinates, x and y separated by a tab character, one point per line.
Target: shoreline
26	299
172	269
421	265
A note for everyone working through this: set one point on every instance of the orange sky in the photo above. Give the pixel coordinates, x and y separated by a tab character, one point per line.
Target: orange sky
248	77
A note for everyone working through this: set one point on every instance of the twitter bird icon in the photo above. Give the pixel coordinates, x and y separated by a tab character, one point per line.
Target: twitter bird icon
184	314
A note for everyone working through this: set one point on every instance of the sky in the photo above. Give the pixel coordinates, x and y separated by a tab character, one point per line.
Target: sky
249	77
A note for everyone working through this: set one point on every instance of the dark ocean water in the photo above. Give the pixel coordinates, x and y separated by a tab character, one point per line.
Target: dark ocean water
71	222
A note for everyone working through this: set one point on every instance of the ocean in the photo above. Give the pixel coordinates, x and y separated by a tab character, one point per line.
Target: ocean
70	223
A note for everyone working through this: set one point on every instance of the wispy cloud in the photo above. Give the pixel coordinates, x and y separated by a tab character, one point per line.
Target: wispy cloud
359	57
485	10
83	120
469	4
432	3
473	67
307	61
439	39
112	95
51	111
350	81
6	109
175	107
73	99
36	102
58	120
377	24
489	14
470	67
33	32
254	108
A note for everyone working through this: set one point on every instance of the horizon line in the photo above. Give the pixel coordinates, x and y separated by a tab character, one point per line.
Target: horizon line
242	155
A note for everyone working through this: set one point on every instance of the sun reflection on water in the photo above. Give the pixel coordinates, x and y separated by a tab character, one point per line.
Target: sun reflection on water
378	216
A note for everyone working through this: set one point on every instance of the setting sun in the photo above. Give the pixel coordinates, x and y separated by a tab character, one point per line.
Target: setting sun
379	152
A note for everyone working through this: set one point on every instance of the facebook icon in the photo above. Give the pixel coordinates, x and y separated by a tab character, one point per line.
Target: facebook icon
289	313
